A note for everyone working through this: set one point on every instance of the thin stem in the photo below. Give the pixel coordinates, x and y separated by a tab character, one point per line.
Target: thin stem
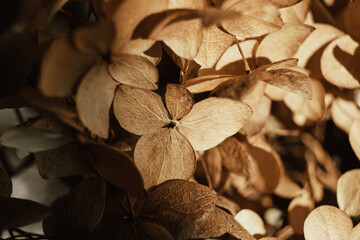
203	164
246	64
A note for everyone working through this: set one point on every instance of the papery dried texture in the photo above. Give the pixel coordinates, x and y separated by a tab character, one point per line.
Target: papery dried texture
206	83
214	44
299	208
284	3
352	19
344	113
133	70
258	17
5	183
354	137
33	139
128	15
94	98
163	155
313	109
139	111
355	233
286	41
213	161
287	188
212	120
17	212
116	168
340	61
270	238
251	221
58	76
82	208
327	222
316	40
179	100
61	162
296	13
348	192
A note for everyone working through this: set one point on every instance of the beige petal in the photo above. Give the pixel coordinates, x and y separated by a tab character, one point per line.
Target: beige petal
206	83
312	109
212	120
296	13
135	71
139	111
352	19
62	67
214	44
317	188
187	4
179	100
251	221
299	208
284	3
286	41
164	155
348	192
340	61
343	113
317	39
94	98
258	17
355	234
327	222
354	137
287	188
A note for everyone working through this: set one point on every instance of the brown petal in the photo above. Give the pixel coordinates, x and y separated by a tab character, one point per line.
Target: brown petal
62	67
352	19
354	137
296	13
139	111
286	41
212	120
340	61
327	222
284	3
355	234
214	44
163	155
179	100
213	161
258	17
348	192
299	208
344	113
94	98
135	71
287	188
206	83
17	212
5	183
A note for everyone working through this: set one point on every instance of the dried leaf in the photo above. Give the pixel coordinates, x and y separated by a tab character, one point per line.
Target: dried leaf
83	207
339	62
5	183
94	98
17	212
284	3
344	113
299	208
33	139
251	221
163	155
258	17
352	19
327	222
212	120
62	67
348	192
354	138
286	41
296	13
61	162
179	100
117	168
316	40
139	111
214	44
355	234
135	71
